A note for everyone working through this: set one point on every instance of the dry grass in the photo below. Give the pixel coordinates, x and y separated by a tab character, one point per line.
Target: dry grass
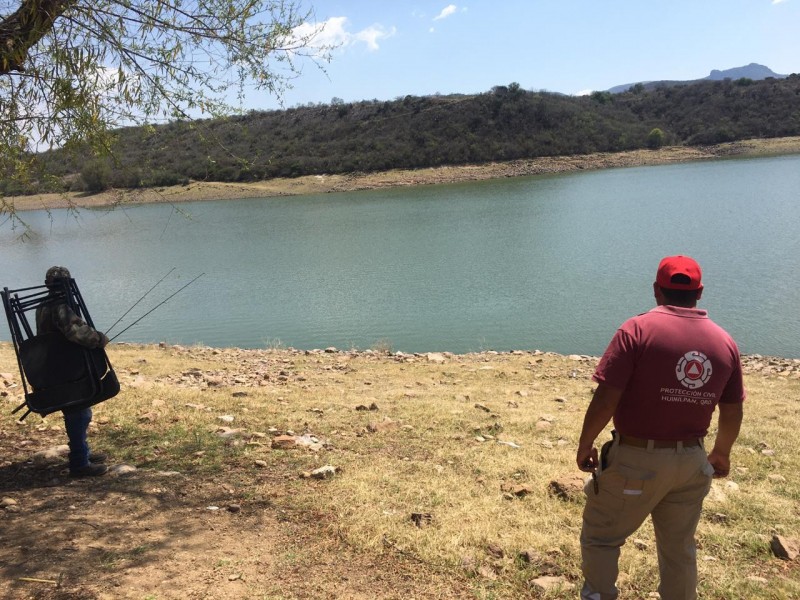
429	460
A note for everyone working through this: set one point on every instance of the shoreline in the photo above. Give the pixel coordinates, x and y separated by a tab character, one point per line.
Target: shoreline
321	184
766	364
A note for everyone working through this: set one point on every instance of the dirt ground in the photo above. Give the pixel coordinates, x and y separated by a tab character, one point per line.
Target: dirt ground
319	184
158	535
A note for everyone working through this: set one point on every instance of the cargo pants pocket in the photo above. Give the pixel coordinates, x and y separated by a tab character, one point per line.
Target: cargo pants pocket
633	484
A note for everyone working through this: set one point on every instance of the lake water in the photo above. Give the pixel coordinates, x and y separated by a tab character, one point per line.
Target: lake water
547	262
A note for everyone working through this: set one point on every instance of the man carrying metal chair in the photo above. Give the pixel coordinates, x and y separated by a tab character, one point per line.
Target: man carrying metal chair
59	317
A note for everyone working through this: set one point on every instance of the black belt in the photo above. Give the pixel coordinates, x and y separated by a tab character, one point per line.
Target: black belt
628	440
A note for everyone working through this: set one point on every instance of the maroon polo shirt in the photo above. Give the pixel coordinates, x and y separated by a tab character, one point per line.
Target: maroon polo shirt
673	365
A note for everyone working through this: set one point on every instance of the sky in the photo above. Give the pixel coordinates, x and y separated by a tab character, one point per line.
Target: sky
391	48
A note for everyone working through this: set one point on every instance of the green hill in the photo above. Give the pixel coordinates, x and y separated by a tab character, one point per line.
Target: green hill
504	123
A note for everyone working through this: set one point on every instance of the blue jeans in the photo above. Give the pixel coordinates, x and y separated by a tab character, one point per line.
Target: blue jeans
77	423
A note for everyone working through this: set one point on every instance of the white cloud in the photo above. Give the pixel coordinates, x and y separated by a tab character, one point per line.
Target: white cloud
446	12
583	93
372	34
778	1
334	33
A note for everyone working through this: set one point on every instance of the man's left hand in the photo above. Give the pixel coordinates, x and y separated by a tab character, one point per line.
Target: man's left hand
721	463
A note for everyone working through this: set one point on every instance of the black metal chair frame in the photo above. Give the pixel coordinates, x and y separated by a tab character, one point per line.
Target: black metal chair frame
83	376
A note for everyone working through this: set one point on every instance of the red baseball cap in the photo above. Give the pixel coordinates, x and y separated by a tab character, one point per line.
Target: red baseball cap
679	273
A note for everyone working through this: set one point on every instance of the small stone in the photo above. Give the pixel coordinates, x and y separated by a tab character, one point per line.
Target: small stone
480	406
226	418
487	572
468	562
568	487
520	491
530	556
55	453
774	477
511	444
118	470
640	544
495	551
234	508
381	426
239	394
719	518
421	519
756	579
326	472
6	501
284	442
227	432
549	582
785	548
731	486
716	494
261	463
234	577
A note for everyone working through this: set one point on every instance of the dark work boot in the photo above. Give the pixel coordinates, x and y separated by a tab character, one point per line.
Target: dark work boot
90	470
98	457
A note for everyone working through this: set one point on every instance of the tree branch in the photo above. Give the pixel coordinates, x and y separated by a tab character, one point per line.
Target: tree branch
22	30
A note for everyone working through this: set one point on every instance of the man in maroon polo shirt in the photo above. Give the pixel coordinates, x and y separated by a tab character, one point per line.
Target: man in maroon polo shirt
660	379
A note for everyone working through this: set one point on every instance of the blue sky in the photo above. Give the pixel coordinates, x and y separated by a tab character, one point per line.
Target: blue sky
391	48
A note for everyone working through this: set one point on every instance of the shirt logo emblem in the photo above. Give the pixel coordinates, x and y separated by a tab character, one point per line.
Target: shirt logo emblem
693	370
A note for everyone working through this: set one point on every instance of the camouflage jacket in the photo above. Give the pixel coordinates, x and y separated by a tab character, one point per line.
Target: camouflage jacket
60	317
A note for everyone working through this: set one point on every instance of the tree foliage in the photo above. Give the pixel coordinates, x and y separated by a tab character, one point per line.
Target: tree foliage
71	71
655	139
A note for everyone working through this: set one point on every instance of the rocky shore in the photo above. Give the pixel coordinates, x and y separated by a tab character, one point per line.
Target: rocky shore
320	184
247	368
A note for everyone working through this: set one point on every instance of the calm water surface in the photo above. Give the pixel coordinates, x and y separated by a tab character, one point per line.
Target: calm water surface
554	263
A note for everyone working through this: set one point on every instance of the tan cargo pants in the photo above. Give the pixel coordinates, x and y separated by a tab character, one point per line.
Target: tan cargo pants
667	483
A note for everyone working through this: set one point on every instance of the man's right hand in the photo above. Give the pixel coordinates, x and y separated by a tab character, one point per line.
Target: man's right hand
587	459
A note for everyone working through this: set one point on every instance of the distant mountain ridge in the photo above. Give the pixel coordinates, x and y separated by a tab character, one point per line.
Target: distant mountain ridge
752	71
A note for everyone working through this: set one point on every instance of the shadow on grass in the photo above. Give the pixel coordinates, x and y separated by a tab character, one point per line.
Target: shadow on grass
66	535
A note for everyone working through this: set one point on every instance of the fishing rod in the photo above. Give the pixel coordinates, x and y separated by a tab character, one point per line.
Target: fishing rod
139	300
164	301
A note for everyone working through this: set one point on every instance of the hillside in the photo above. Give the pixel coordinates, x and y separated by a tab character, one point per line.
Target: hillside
505	123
